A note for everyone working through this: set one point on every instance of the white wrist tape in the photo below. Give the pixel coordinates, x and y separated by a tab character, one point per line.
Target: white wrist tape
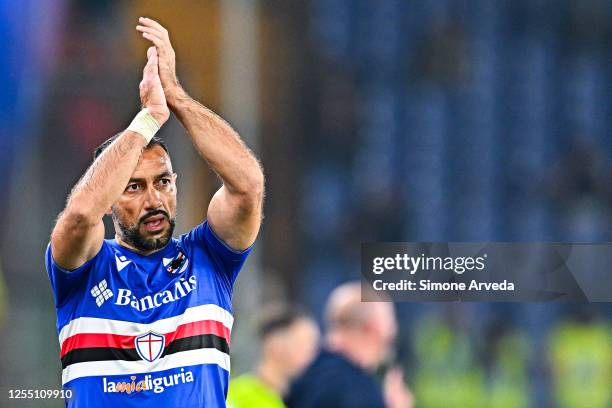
145	124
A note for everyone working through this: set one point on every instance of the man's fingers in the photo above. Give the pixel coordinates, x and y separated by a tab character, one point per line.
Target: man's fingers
151	37
153	60
151	31
151	67
155	37
151	54
155	40
152	23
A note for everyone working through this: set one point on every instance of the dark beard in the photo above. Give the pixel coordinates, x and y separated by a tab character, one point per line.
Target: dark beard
132	236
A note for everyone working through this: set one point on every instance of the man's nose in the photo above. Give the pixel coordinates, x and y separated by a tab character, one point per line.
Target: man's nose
153	198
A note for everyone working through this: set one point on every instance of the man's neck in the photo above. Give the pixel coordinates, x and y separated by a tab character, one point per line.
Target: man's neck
272	376
349	348
132	248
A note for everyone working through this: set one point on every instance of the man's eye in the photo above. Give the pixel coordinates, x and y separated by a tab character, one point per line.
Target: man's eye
165	181
132	187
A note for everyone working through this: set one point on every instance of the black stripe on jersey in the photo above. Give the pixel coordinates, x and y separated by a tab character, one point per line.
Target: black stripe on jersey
197	342
81	355
99	354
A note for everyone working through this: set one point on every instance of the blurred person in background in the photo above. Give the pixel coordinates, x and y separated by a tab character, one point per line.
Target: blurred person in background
289	341
359	338
144	319
580	354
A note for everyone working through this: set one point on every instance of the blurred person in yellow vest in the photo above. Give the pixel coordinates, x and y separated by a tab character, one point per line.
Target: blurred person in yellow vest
581	360
452	372
289	340
448	373
507	358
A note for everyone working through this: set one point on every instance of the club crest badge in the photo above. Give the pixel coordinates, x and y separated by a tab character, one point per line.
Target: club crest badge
150	346
176	265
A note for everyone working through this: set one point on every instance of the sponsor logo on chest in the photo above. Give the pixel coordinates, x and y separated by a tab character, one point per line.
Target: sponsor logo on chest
124	297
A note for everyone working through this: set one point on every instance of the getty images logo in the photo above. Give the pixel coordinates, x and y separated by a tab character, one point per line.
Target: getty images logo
180	289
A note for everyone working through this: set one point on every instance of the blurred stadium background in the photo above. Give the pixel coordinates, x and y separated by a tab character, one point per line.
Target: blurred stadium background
388	120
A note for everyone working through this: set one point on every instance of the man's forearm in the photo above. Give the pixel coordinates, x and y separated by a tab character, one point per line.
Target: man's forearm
106	178
235	210
218	144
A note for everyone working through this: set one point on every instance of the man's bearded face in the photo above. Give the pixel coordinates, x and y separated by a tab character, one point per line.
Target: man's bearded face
145	214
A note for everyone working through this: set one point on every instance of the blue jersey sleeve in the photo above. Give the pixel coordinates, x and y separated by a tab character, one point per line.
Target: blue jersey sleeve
65	282
228	261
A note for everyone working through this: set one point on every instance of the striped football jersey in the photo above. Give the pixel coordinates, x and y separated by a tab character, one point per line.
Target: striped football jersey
137	331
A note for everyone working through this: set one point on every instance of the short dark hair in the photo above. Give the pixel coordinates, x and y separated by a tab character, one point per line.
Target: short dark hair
156	141
276	317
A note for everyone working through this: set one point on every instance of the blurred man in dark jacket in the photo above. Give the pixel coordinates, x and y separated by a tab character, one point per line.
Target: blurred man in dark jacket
360	336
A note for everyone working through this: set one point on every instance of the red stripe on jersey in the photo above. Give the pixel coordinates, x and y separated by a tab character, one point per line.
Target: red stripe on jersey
197	328
87	340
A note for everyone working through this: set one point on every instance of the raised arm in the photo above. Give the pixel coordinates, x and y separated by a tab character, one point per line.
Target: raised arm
235	210
78	233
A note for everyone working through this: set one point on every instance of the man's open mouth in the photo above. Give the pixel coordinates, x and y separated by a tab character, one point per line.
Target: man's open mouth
154	223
